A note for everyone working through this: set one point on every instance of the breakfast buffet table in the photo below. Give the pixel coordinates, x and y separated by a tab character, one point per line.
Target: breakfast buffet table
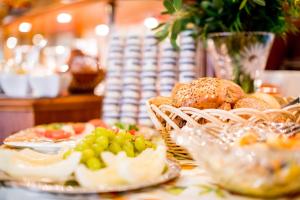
193	184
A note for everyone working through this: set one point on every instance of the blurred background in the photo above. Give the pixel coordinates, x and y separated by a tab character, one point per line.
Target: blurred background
54	55
62	25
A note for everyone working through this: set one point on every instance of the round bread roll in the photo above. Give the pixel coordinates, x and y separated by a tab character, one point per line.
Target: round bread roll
252	102
206	92
160	101
281	100
267	98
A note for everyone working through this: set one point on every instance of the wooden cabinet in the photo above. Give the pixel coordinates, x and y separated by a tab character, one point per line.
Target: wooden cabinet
16	114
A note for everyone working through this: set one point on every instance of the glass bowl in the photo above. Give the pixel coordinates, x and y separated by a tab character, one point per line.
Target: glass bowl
255	170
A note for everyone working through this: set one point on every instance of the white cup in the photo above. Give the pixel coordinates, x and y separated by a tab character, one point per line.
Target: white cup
15	85
45	86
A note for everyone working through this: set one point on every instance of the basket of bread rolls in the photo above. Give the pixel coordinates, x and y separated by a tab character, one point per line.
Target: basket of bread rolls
217	101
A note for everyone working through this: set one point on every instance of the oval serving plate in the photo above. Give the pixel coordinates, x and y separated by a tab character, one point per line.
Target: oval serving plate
172	172
45	147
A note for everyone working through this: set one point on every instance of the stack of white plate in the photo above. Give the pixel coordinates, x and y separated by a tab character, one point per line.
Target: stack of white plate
168	72
131	79
148	77
187	57
113	94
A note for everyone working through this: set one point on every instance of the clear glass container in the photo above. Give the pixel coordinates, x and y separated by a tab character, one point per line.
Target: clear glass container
256	170
240	57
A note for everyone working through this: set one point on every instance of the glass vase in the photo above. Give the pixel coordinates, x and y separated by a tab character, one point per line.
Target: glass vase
240	57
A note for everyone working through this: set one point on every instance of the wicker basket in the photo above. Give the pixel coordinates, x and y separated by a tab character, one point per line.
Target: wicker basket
167	118
85	82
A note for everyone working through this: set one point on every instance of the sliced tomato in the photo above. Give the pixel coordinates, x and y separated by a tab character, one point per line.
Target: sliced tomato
98	123
57	134
40	133
132	132
78	128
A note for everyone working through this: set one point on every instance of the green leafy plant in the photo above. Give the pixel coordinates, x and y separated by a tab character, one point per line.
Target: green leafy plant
211	16
207	16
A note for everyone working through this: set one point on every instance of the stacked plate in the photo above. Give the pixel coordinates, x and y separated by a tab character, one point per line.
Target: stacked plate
168	73
187	57
148	77
113	94
131	80
139	69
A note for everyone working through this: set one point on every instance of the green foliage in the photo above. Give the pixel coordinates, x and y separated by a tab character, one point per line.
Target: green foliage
207	16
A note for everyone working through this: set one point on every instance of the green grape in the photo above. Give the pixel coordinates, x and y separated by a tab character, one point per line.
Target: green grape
99	131
114	147
129	149
129	152
94	163
97	148
129	136
89	139
87	154
139	144
67	153
102	141
120	139
149	144
81	146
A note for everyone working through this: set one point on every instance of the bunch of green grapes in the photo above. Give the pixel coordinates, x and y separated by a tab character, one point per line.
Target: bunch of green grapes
102	139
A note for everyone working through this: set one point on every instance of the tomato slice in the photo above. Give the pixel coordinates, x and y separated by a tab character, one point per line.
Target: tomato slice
57	134
78	128
98	123
132	132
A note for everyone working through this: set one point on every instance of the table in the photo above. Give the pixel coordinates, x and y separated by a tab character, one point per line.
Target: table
17	114
193	184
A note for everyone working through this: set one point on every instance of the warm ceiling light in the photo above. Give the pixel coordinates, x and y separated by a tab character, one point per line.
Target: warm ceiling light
151	22
60	49
11	42
39	40
102	30
64	18
25	27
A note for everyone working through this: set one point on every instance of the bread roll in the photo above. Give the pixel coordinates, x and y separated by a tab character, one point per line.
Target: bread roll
160	101
252	102
205	93
268	99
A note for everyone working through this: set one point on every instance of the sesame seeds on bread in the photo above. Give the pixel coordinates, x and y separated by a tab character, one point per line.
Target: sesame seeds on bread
205	93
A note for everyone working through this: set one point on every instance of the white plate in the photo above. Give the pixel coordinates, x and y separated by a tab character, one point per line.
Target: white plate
52	146
46	147
172	172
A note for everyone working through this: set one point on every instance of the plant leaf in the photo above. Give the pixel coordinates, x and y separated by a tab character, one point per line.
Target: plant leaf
158	26
169	6
164	12
218	3
163	34
260	2
242	5
176	29
205	4
177	4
